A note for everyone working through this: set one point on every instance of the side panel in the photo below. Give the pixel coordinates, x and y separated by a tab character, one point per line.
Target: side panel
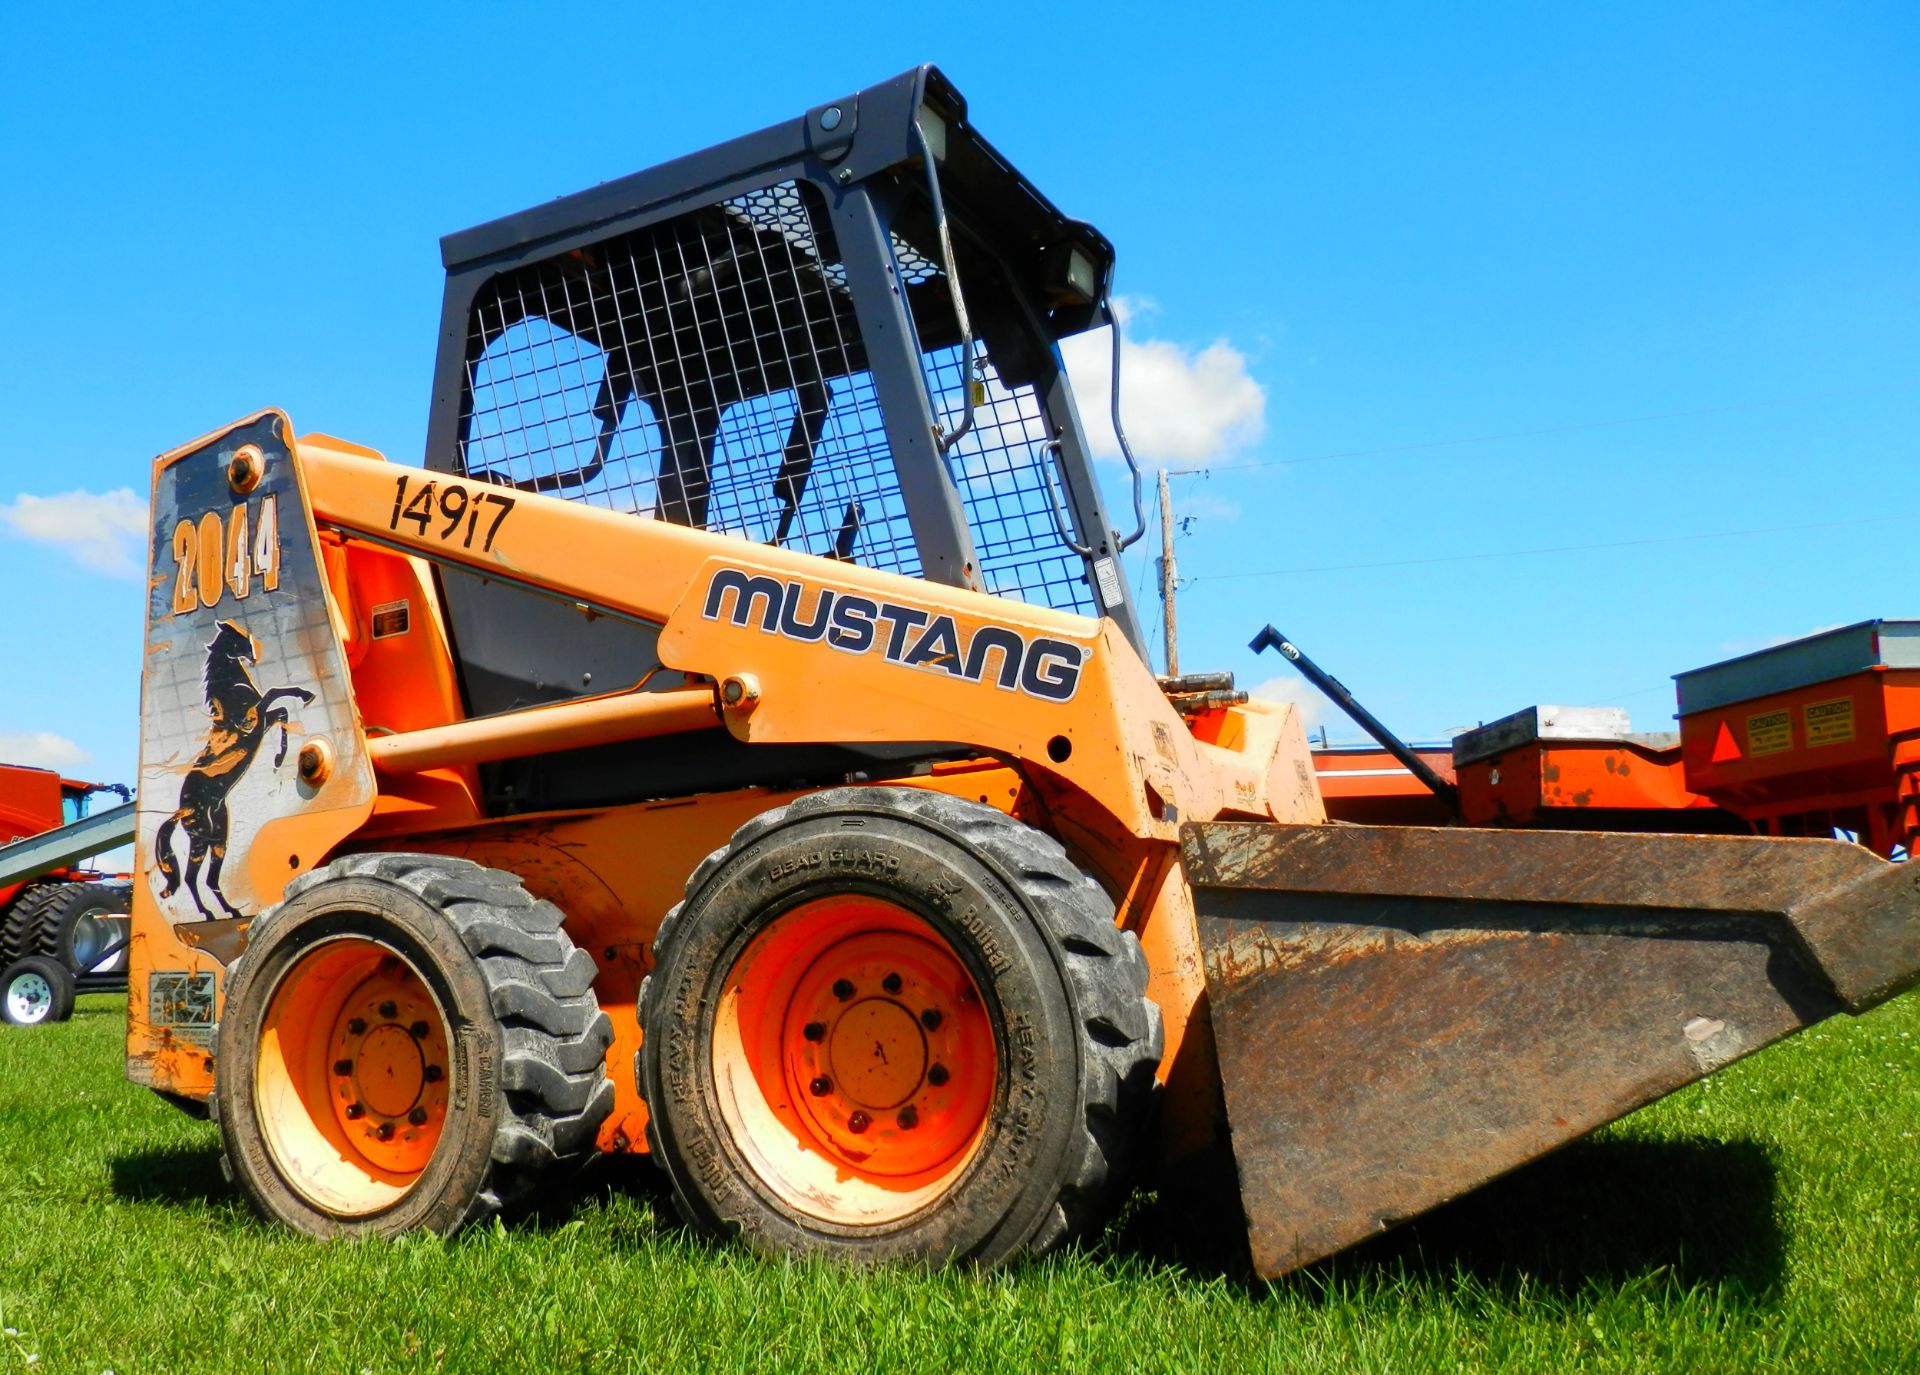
243	677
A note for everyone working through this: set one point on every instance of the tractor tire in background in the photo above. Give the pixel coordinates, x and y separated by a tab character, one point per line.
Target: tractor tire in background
410	1042
28	926
887	1024
88	920
35	991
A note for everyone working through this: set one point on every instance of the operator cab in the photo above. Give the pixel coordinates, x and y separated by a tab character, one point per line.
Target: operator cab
836	335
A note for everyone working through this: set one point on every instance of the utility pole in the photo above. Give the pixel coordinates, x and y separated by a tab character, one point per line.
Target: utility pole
1167	577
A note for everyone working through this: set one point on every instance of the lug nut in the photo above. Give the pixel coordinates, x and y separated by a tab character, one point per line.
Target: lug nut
384	1131
891	983
858	1123
418	1117
355	1112
357	1027
343	1067
937	1075
418	1031
908	1119
821	1086
389	1009
842	989
434	1074
930	1019
816	1031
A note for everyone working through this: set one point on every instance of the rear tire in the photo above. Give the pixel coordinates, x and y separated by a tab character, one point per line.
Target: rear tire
28	927
36	991
88	919
410	1042
1012	1052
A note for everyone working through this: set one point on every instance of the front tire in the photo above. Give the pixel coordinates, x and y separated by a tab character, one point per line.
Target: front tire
410	1042
887	1024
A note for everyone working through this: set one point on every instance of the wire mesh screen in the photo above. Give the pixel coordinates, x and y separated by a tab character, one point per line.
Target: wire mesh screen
707	371
997	467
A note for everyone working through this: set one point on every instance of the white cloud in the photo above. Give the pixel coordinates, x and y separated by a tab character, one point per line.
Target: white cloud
40	749
102	531
1179	405
1290	687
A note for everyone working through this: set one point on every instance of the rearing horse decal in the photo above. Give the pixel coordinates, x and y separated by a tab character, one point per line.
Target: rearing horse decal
242	716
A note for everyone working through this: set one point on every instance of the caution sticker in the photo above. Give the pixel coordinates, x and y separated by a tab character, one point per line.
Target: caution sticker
1771	732
1829	723
390	619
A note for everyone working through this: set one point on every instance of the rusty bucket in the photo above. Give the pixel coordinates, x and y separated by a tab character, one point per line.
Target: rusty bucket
1405	1013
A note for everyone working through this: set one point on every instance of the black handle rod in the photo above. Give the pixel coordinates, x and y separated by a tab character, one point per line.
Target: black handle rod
1269	638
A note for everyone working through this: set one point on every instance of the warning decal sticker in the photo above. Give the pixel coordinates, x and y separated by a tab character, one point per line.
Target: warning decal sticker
1770	732
390	619
1829	723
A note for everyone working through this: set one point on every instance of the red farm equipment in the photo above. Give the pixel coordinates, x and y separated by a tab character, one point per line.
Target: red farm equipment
1817	736
63	930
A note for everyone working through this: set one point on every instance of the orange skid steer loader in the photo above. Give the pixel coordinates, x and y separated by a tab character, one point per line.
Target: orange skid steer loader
734	744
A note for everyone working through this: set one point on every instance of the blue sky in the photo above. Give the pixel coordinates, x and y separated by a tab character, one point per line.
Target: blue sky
1415	282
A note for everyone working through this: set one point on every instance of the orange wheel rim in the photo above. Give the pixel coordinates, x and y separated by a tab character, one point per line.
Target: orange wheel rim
855	1060
351	1086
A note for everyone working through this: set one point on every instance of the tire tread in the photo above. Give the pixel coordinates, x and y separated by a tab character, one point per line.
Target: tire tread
553	1081
1104	968
31	921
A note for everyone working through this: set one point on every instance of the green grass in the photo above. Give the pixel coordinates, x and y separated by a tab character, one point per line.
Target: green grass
1768	1216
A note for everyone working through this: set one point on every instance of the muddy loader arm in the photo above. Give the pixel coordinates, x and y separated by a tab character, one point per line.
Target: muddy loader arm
1064	695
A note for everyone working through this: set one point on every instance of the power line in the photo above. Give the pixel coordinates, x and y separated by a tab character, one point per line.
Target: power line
1547	432
1139	596
1556	549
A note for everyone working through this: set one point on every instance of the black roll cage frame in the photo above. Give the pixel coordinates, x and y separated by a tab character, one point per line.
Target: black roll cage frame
851	151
